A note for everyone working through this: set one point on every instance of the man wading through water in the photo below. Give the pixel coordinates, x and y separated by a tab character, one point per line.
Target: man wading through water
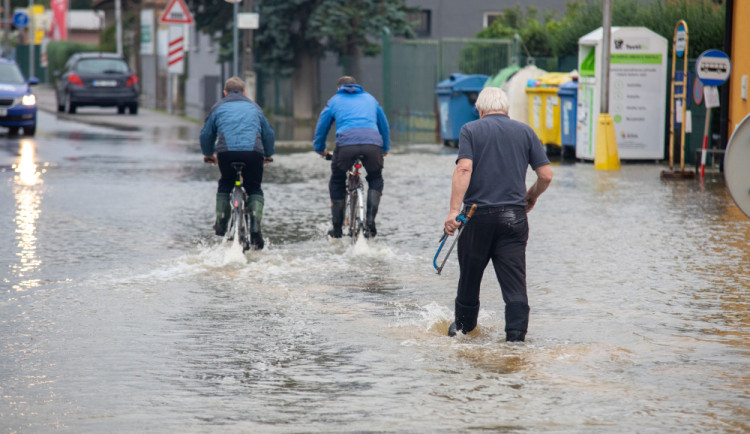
494	153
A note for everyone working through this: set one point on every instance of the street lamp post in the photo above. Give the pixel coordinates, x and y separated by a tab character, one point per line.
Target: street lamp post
235	38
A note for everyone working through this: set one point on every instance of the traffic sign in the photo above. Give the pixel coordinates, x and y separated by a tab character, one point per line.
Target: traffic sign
680	40
176	51
713	67
176	12
21	19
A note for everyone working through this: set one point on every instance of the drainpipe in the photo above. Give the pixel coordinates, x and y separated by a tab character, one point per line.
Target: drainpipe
724	88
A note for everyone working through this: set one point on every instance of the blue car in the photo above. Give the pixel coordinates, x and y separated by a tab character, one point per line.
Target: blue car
17	102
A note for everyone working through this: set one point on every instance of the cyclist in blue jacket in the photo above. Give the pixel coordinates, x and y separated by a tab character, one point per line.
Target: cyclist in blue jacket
361	129
237	131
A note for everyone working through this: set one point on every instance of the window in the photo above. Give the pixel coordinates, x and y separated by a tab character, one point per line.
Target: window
421	22
489	17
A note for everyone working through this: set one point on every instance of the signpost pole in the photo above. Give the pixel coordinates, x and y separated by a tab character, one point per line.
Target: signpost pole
32	38
684	96
235	65
705	141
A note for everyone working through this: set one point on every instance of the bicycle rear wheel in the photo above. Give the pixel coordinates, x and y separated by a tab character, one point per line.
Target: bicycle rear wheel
352	218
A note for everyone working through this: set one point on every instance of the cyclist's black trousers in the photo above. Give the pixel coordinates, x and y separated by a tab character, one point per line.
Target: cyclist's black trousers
252	174
498	233
343	158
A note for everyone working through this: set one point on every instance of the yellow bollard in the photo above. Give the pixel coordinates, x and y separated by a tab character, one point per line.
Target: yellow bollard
605	153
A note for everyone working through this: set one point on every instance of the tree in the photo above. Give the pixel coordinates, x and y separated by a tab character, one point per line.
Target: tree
284	35
345	27
215	18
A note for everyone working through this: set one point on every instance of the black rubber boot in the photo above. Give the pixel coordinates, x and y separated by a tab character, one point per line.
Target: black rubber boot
255	209
337	217
466	319
223	210
373	201
516	321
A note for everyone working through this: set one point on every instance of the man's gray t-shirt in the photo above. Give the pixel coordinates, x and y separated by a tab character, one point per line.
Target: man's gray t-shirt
501	151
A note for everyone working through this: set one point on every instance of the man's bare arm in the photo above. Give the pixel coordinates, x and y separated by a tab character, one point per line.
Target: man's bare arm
544	177
459	185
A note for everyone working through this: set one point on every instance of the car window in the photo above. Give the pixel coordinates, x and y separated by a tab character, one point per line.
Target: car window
9	73
102	66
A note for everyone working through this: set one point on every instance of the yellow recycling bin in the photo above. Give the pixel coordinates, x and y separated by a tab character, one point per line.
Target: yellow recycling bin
544	106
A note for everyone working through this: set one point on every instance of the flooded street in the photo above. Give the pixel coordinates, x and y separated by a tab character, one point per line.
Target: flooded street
122	312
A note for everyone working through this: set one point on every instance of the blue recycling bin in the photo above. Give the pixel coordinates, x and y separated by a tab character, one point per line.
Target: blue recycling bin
568	93
456	97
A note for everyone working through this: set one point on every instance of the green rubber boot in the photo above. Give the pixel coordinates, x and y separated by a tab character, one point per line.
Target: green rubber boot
255	209
223	211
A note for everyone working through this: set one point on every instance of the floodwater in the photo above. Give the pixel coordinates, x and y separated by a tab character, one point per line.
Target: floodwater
121	312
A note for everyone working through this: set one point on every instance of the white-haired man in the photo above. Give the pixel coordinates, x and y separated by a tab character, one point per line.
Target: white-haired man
494	153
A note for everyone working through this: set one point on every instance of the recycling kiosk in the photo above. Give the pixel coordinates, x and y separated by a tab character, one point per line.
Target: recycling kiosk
568	94
456	97
544	106
637	92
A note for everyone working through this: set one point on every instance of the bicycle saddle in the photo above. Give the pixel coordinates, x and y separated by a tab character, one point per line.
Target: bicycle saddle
238	166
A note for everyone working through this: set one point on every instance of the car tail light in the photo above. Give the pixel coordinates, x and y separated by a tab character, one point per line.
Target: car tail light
75	79
132	81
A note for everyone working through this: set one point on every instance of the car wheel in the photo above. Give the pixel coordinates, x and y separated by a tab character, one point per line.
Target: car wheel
29	131
60	107
69	106
120	109
12	131
133	109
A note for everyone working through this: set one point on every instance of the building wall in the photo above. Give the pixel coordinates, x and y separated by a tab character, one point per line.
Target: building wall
740	56
205	80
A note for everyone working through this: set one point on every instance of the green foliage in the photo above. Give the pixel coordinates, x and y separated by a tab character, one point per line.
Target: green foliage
58	52
214	17
283	34
552	37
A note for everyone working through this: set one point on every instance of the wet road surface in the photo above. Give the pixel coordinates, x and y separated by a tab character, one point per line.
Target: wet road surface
120	312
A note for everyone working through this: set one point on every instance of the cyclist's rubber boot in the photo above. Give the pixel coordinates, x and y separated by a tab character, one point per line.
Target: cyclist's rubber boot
373	201
337	217
223	210
255	209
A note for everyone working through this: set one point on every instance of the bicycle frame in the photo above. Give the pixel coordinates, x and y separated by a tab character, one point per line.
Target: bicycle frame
239	224
355	201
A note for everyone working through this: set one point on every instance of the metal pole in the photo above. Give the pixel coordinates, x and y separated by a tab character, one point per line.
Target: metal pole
235	66
607	35
6	27
169	93
118	20
32	38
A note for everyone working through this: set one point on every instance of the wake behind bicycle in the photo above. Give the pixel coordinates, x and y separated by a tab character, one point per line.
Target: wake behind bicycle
355	214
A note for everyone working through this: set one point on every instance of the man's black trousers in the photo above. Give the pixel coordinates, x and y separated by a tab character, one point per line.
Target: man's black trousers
252	173
498	234
343	158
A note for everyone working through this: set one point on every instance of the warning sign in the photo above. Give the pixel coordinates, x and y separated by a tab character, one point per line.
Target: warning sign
176	12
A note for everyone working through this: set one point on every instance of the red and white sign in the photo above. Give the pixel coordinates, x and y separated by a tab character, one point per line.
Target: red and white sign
176	12
176	51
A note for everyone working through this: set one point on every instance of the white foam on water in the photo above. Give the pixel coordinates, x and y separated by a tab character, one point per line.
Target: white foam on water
371	249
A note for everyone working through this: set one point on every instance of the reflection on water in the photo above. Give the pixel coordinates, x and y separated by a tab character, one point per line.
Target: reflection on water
28	200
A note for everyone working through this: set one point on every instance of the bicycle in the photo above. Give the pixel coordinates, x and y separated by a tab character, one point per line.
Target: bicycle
240	224
354	216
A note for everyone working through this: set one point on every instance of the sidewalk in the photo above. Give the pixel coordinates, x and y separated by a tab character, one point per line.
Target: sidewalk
107	116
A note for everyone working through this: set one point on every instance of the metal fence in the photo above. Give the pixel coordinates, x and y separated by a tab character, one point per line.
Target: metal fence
413	68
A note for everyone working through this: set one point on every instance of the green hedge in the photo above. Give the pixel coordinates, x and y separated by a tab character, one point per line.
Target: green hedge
58	52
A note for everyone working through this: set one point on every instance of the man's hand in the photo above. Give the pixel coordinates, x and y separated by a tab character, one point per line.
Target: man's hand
267	160
385	154
451	224
209	159
530	202
323	153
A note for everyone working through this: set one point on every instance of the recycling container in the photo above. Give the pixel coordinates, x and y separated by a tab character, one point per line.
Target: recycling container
456	97
544	106
568	94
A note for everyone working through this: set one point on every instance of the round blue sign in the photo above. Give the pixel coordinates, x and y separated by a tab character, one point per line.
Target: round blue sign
20	19
713	67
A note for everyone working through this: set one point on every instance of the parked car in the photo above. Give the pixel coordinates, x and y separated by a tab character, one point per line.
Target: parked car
17	102
96	79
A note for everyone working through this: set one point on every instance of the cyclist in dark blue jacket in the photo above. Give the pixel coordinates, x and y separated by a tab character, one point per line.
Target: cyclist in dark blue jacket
237	131
361	129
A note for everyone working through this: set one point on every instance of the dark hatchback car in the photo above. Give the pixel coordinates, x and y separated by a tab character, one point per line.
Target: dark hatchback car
97	79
